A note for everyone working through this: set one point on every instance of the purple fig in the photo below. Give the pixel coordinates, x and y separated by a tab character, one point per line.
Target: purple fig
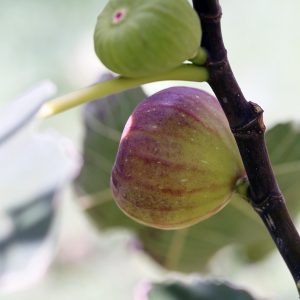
177	162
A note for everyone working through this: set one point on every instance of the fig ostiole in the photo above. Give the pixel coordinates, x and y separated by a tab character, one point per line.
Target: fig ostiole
140	38
177	162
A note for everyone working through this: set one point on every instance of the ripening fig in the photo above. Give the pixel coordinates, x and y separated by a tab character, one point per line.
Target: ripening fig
177	162
138	38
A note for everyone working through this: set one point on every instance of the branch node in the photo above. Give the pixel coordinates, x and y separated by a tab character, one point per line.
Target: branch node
268	204
215	18
255	126
218	66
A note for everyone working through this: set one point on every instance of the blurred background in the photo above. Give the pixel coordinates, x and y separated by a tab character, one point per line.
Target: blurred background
54	40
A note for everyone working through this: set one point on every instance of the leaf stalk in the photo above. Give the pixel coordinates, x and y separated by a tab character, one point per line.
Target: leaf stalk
185	72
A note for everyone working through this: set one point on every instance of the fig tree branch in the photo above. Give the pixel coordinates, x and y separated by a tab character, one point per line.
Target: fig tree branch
246	122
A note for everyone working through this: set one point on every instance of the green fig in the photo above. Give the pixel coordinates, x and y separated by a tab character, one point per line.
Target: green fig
177	162
138	38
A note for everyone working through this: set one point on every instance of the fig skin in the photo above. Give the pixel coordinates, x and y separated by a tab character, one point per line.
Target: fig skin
177	162
138	38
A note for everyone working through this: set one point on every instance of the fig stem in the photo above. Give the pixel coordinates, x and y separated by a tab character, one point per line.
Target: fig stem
246	122
242	188
200	58
185	72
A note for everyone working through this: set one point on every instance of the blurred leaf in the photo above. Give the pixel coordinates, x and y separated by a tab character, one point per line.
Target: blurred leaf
284	149
34	168
20	112
188	249
201	290
27	232
104	121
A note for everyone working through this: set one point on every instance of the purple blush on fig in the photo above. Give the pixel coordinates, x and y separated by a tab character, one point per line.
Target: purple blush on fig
177	162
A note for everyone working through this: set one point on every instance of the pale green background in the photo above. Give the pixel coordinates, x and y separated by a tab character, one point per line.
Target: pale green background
53	39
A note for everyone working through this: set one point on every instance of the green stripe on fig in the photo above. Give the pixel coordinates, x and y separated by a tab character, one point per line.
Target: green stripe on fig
140	38
177	162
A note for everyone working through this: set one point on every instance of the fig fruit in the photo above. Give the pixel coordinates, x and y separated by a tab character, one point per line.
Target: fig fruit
138	38
177	161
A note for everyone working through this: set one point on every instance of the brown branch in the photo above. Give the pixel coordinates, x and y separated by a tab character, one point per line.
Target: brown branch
246	122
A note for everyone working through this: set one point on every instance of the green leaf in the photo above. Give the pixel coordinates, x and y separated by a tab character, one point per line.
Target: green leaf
189	249
199	290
